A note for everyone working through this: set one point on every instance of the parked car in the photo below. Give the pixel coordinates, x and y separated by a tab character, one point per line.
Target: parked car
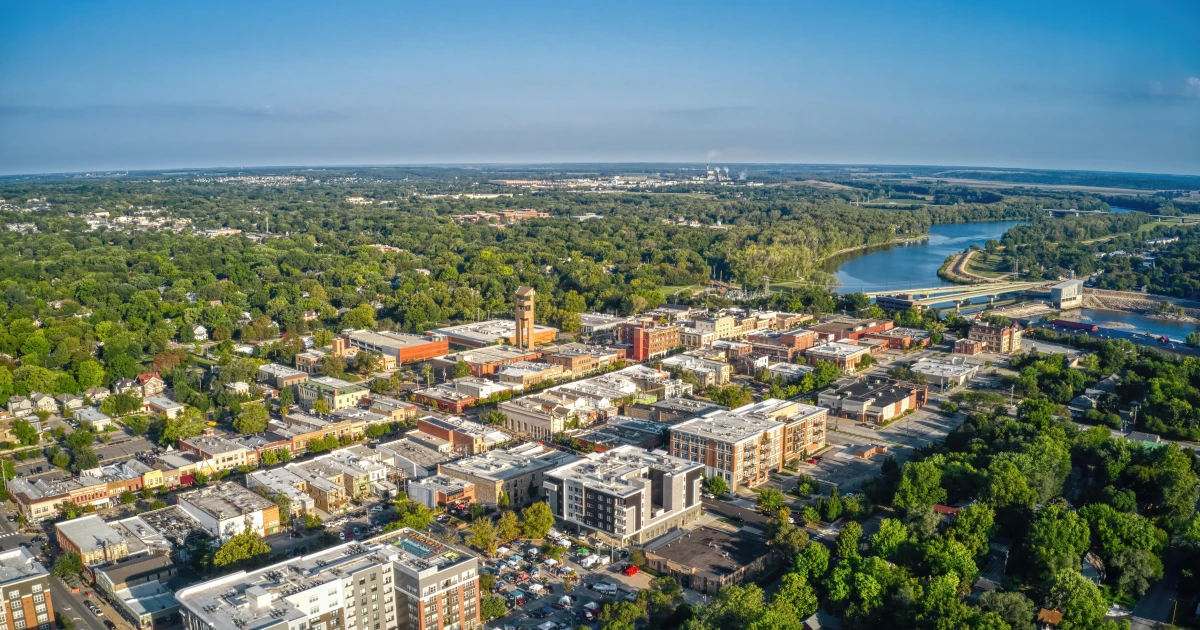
631	569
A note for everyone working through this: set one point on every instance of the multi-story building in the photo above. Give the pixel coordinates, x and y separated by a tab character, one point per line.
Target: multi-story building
708	373
873	400
218	453
999	339
280	376
515	472
38	500
782	345
395	410
528	373
741	448
227	509
649	340
627	494
25	600
804	425
446	397
844	355
437	490
837	328
310	361
487	361
151	384
402	348
465	437
137	587
1067	295
399	580
901	338
281	481
336	393
413	459
91	538
595	324
487	333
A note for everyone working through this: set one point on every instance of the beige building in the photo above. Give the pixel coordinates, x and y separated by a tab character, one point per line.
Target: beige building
516	472
336	393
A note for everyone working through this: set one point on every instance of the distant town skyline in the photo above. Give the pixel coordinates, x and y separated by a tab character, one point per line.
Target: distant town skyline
1111	86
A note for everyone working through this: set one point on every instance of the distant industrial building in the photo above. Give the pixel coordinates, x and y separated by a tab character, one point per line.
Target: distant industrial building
402	347
1067	295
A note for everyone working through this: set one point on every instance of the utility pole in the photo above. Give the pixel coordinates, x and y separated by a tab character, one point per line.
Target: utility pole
1011	391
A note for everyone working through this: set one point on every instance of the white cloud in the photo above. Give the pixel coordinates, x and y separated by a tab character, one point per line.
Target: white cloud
1191	87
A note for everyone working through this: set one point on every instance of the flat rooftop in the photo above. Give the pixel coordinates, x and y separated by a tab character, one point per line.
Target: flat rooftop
839	350
441	483
623	430
727	426
488	332
712	551
387	340
89	533
420	455
503	464
18	565
493	354
941	369
225	500
616	471
279	371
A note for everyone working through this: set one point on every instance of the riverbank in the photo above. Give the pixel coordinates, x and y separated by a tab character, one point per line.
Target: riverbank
1140	303
956	269
891	243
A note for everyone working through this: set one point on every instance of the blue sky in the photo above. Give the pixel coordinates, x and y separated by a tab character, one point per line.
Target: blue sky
114	85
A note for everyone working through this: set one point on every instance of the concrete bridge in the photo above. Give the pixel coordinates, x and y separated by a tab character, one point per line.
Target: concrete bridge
959	295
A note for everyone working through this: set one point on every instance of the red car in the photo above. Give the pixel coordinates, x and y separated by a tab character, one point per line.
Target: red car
631	569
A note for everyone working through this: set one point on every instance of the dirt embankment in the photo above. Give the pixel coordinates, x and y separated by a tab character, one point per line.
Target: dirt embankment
956	271
1140	303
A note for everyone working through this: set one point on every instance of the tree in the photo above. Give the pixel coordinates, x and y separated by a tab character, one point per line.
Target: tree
320	406
333	365
492	607
508	528
974	527
731	396
253	419
1135	569
770	500
716	485
67	565
413	514
25	432
847	540
1057	540
812	562
920	486
493	417
361	316
244	549
83	458
1081	602
484	536
188	424
128	497
537	520
286	400
89	374
312	521
947	556
1014	608
795	598
461	369
269	458
1006	486
891	536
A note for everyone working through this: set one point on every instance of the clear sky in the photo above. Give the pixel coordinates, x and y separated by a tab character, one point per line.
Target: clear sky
1084	85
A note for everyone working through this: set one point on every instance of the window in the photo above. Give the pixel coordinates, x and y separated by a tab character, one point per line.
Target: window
37	588
37	599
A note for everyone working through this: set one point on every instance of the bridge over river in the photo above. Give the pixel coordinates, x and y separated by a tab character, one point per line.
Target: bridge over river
957	295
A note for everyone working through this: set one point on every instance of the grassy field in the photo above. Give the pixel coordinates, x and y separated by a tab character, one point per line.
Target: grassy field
988	265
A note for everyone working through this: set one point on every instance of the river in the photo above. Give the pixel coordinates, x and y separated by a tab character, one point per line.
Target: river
915	265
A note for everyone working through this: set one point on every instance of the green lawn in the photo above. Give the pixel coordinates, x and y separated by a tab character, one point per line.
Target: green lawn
988	265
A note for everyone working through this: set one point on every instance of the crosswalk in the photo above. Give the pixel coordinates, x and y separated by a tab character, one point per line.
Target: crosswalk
8	534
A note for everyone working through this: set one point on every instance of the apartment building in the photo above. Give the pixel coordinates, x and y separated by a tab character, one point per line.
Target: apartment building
628	495
25	600
336	393
998	339
741	448
227	509
515	472
402	579
804	426
649	340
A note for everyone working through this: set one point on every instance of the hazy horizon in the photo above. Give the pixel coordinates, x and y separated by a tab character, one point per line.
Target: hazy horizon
102	86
